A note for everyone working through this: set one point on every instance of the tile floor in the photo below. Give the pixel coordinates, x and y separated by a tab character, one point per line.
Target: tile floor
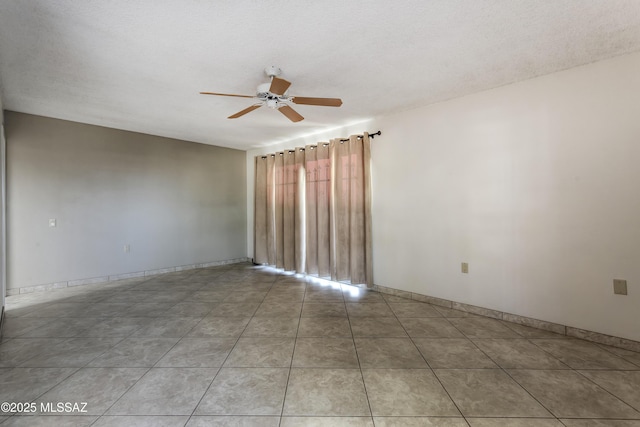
245	346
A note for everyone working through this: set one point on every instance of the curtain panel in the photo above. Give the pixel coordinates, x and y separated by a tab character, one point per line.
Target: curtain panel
313	210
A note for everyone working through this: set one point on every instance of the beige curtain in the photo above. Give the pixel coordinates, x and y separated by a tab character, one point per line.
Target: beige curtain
351	209
299	211
264	213
318	188
313	210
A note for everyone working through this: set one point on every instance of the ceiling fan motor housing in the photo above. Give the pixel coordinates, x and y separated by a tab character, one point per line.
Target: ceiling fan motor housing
270	100
263	90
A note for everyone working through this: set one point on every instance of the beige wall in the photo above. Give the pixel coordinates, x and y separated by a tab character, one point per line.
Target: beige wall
174	202
536	185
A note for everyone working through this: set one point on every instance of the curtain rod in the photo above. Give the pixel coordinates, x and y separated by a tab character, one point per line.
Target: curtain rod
371	135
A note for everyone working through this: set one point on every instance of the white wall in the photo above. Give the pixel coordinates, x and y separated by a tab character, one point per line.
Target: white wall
174	202
536	185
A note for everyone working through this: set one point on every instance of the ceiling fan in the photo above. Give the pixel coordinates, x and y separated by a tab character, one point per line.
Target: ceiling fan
274	95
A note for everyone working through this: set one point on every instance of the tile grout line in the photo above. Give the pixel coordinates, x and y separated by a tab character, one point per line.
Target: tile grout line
12	414
507	373
428	364
607	391
141	376
149	369
602	346
125	392
295	344
353	340
195	408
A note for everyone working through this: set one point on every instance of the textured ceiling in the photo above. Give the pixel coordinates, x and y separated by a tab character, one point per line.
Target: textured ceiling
139	65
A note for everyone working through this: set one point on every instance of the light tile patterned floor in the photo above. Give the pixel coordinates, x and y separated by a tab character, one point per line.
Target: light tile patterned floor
247	346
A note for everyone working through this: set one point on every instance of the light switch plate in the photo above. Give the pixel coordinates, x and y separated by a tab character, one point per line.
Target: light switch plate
619	286
465	267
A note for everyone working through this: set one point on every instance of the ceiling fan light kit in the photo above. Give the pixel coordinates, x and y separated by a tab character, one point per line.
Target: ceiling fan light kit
274	95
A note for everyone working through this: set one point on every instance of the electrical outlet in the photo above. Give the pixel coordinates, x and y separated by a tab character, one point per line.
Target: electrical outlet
52	222
465	267
127	249
619	286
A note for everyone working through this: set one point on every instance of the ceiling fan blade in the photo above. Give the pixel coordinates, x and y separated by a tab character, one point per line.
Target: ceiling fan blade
226	94
324	102
290	113
279	86
245	111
